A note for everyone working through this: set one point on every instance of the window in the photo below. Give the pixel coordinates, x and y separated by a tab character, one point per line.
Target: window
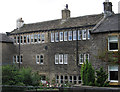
24	39
70	35
43	37
28	39
52	37
57	59
74	35
17	59
79	34
57	79
56	37
35	38
61	79
21	58
65	59
83	34
80	58
60	59
32	38
75	79
66	79
61	36
21	40
14	59
37	59
18	39
113	43
39	39
65	36
41	59
70	79
88	33
83	58
79	79
113	73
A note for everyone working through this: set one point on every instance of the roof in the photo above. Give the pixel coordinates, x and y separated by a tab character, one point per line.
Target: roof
5	38
109	24
59	24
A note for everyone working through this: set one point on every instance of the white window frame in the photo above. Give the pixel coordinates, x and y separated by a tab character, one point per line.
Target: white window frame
57	59
60	58
14	59
61	36
65	35
56	37
113	41
74	35
42	59
84	33
39	38
70	35
37	59
88	34
81	58
52	37
43	37
32	38
35	38
112	70
65	58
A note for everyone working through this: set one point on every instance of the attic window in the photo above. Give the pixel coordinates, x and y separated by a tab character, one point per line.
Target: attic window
112	43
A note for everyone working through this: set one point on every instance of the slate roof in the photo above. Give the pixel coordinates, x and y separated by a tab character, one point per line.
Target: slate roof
5	38
59	24
110	24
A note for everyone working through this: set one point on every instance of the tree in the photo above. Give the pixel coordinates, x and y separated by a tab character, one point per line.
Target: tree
87	74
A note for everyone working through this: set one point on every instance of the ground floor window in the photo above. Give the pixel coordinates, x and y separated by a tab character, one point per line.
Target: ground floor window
113	73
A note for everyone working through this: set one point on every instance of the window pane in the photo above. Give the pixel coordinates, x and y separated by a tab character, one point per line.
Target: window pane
32	38
15	39
21	59
39	39
41	59
80	58
65	59
52	37
35	38
70	35
113	46
74	35
88	32
28	38
79	35
65	36
113	38
61	36
24	38
21	40
56	37
56	59
43	37
60	59
113	75
84	34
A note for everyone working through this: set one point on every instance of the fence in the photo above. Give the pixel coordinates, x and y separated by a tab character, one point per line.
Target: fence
58	89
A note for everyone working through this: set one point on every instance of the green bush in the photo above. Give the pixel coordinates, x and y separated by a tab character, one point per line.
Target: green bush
87	74
101	78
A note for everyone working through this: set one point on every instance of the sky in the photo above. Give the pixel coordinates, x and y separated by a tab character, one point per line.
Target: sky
33	11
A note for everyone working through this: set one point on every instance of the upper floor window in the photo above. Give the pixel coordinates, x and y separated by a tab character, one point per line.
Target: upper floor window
57	59
79	34
83	58
14	39
65	58
32	38
61	36
74	35
52	37
24	39
43	37
17	59
56	37
39	59
28	38
18	39
21	39
70	35
113	43
88	33
65	36
83	34
35	38
39	39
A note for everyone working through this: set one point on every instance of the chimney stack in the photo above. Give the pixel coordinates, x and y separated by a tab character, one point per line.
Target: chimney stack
66	13
107	7
19	23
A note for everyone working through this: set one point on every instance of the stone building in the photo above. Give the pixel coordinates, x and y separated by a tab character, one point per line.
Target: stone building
58	48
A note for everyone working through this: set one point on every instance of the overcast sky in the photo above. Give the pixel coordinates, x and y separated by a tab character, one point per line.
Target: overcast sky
43	10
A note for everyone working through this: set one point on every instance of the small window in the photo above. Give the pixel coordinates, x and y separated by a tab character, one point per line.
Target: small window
66	79
88	33
70	79
35	38
74	35
28	39
57	79
18	59
70	35
65	59
39	39
57	59
79	34
79	79
56	37
60	58
52	37
32	38
43	37
21	59
41	59
18	39
24	39
113	43
83	34
14	59
80	58
65	36
113	73
21	39
75	80
61	78
61	36
15	39
37	59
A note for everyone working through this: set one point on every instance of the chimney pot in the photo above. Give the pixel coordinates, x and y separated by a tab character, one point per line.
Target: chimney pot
66	13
